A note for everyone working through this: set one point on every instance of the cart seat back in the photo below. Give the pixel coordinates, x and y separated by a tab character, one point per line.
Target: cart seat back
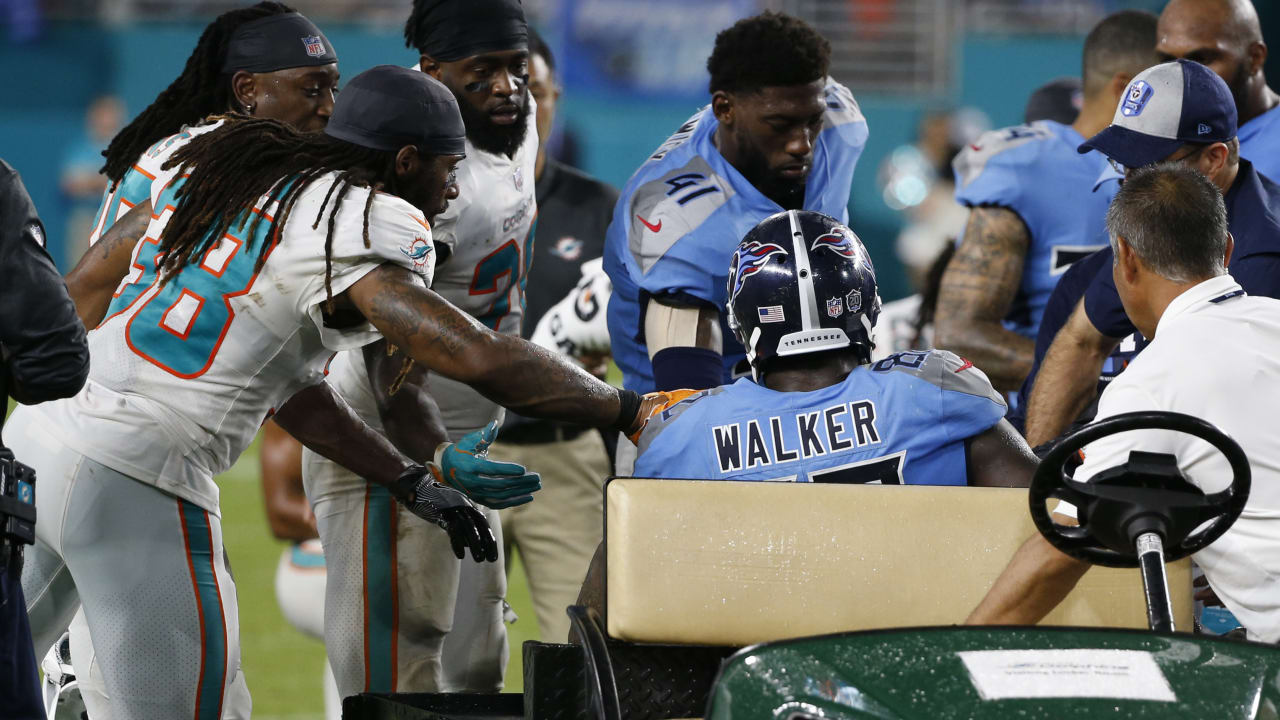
736	563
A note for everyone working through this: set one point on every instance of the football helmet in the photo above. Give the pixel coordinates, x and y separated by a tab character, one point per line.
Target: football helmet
801	282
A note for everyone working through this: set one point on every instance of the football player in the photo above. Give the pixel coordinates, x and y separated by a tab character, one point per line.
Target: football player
803	302
1036	207
264	61
272	250
1226	36
396	639
779	134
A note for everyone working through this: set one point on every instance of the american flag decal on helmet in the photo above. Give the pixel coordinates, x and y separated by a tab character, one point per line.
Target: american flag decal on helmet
748	260
837	243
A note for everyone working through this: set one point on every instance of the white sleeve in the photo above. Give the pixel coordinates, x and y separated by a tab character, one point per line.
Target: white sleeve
398	234
578	324
1122	397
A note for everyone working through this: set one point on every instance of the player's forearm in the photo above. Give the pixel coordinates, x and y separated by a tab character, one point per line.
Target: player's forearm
509	371
1004	356
977	290
536	382
323	422
1067	380
410	417
93	281
1038	578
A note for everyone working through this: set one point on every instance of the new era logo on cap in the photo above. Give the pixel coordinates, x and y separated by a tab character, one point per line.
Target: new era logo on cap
1136	99
1165	107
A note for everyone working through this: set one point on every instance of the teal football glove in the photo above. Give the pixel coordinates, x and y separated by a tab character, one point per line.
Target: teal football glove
491	483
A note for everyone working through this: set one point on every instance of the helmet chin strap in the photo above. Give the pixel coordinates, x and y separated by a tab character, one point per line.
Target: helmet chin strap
751	353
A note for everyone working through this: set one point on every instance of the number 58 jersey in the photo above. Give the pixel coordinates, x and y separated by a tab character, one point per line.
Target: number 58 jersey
903	419
185	370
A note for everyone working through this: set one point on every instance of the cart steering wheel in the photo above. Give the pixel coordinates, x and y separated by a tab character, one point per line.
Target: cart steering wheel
1146	494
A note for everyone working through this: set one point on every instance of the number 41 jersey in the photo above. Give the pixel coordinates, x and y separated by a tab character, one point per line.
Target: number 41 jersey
903	419
185	371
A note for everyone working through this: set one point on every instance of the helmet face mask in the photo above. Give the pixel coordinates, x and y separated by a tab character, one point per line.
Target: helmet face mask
800	282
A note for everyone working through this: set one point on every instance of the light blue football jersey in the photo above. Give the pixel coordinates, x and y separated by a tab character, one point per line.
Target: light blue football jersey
685	210
1260	143
1035	171
903	419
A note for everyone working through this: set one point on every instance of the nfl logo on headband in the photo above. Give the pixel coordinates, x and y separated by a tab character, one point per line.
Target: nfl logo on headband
315	48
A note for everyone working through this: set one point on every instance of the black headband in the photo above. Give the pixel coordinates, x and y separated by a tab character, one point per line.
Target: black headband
278	42
388	107
450	30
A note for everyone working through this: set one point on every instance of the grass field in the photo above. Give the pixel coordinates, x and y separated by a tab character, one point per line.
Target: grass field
282	666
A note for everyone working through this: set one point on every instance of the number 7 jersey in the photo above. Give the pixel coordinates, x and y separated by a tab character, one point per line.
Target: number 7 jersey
184	371
903	419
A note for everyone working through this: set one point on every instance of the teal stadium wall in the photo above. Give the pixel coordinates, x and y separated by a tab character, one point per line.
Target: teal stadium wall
48	83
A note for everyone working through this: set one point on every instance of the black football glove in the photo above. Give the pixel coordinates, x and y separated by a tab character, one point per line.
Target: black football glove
451	510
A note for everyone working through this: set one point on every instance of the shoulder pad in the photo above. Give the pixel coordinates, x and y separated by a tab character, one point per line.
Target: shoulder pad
679	137
676	404
943	369
842	108
976	156
671	206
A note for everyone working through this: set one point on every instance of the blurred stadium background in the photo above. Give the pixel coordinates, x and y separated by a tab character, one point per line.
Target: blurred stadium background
929	75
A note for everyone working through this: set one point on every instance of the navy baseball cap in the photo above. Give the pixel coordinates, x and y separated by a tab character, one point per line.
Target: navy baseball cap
1165	107
388	107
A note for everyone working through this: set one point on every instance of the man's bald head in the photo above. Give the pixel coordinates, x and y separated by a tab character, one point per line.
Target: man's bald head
1222	34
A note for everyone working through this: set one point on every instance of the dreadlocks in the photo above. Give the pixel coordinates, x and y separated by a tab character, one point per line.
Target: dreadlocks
202	89
245	159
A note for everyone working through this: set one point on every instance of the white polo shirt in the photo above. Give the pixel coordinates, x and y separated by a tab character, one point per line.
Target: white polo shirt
1216	355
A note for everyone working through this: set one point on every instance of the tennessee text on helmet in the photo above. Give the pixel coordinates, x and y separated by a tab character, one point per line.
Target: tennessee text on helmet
801	282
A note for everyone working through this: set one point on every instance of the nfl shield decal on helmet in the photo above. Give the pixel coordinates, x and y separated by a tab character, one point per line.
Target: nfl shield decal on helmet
835	307
315	47
419	251
853	300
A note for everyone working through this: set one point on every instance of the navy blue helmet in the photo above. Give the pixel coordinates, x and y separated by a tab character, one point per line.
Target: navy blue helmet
800	282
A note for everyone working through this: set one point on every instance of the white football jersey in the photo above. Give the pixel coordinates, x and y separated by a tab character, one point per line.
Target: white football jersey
135	186
489	231
184	373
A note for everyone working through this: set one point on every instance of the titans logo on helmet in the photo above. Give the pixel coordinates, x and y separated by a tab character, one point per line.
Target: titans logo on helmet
836	242
748	260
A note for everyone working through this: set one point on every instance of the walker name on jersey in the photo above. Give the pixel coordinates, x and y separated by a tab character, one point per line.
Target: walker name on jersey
833	429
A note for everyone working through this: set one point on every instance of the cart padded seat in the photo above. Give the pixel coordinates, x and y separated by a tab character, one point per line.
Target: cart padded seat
735	563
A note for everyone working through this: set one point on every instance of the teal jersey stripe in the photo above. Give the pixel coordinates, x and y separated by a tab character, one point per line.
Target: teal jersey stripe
380	590
213	661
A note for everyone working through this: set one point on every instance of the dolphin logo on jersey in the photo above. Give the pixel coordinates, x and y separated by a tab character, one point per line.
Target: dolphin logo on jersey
837	243
748	260
419	251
